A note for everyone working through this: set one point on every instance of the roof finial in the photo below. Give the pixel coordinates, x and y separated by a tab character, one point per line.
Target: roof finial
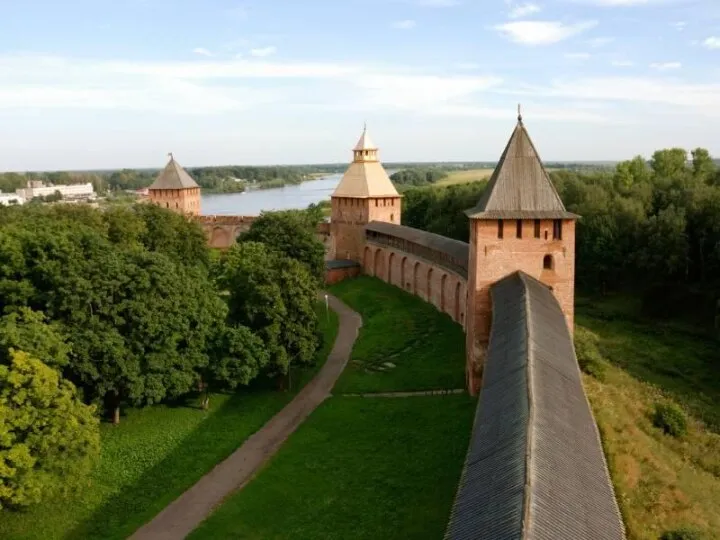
365	125
519	113
171	156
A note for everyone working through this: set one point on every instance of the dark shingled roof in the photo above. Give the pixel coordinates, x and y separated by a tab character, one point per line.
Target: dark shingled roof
519	187
173	176
455	248
535	468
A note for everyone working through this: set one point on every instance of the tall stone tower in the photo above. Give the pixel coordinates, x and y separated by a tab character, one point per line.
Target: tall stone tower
175	189
520	223
364	194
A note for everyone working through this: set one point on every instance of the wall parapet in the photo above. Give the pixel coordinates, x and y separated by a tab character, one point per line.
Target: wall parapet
439	250
225	220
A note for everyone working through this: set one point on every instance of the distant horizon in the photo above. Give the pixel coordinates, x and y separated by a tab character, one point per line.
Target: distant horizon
387	165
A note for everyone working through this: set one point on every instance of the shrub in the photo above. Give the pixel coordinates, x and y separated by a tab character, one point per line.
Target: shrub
670	418
681	534
588	355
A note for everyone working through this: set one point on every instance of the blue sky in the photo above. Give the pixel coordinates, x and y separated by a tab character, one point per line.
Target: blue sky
119	83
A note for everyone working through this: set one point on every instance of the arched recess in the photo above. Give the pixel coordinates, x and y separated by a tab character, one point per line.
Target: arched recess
219	238
367	261
429	285
548	263
402	273
443	282
416	271
391	261
379	265
457	302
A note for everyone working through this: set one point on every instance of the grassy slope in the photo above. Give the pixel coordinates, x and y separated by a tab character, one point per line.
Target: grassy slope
662	483
427	348
375	468
152	457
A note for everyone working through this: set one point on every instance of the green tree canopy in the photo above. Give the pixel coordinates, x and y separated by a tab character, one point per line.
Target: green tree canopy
273	295
291	233
49	440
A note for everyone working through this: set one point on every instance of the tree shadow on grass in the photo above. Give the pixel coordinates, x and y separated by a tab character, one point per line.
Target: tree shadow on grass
215	438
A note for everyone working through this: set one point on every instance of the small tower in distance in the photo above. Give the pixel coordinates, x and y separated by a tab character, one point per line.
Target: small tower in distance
175	189
364	194
520	223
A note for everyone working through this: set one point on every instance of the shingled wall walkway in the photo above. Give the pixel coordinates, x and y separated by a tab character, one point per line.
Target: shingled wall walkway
186	512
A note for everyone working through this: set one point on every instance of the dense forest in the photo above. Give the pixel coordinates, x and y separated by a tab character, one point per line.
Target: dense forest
652	227
418	176
126	306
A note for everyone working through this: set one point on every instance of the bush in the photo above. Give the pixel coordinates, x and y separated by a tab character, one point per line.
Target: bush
588	355
671	419
681	534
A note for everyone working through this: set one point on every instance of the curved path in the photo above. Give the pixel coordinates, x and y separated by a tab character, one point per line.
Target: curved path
186	512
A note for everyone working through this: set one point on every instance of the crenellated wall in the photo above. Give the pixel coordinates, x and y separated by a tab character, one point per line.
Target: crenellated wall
425	264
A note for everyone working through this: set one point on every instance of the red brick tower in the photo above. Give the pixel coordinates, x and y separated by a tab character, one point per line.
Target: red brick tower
520	223
175	189
364	194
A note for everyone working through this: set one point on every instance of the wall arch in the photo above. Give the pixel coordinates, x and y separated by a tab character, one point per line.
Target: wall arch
379	264
443	284
367	261
457	302
403	284
391	261
429	285
416	271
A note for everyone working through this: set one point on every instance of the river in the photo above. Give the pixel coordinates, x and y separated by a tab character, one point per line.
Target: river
251	203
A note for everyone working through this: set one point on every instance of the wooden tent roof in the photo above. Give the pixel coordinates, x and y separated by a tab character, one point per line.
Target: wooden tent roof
173	176
519	187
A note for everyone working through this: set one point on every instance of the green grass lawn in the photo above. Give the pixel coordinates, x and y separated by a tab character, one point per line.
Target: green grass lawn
375	468
662	483
426	348
153	456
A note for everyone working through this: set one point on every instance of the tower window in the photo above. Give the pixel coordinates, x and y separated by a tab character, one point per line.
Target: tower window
500	228
376	202
547	262
557	229
518	230
537	228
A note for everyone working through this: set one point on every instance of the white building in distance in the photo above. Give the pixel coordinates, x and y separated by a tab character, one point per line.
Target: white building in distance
37	188
6	199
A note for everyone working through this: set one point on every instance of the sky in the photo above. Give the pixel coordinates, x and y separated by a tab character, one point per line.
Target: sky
88	84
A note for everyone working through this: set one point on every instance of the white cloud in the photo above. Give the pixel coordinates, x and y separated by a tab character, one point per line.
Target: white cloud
653	90
523	10
663	66
600	41
262	52
202	51
622	63
712	42
542	32
406	24
577	56
211	86
679	25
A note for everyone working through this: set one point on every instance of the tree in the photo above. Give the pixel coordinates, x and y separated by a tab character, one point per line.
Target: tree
30	331
270	294
703	166
238	357
293	234
670	162
49	440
